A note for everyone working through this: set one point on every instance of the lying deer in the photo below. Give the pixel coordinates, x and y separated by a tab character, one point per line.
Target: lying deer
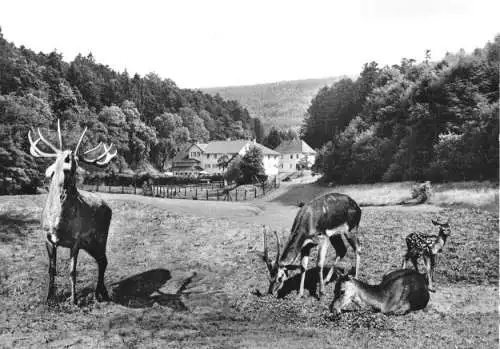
73	219
399	292
331	218
427	247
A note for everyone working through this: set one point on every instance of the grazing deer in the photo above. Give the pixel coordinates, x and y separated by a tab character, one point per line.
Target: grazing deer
333	218
427	247
399	292
73	219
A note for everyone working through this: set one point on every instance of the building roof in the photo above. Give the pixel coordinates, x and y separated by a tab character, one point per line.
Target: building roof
232	147
294	146
225	147
202	146
266	150
178	168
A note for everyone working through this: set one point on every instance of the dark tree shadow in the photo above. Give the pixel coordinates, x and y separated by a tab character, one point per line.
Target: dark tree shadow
14	225
311	282
143	290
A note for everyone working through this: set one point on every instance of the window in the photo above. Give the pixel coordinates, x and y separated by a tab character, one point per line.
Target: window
291	157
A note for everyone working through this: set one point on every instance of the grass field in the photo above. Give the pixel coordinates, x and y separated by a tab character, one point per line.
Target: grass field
186	274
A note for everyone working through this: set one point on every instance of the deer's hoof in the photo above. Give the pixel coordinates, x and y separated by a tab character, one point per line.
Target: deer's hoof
102	296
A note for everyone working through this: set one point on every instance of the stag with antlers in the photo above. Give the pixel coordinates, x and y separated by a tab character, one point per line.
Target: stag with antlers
73	219
331	218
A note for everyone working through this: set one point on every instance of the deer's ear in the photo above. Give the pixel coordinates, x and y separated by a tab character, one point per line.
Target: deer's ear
434	222
50	170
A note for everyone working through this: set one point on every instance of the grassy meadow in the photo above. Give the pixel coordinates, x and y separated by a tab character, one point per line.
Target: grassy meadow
187	274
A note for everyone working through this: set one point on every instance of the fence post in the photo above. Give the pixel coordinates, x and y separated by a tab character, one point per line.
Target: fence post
217	194
245	195
135	189
207	194
196	192
254	192
236	195
263	188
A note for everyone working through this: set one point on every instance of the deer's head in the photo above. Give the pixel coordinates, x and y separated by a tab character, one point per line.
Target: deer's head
278	274
444	227
344	293
62	171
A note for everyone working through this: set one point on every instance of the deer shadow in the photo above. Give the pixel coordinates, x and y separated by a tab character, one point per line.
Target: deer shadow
14	225
311	281
143	290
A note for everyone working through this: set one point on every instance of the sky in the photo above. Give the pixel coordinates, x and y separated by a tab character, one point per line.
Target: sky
210	43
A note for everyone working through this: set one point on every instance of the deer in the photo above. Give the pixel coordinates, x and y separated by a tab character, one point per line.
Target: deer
428	247
71	218
399	292
332	218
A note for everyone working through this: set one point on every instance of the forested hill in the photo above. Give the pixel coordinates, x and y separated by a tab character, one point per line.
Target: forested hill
148	118
429	120
281	104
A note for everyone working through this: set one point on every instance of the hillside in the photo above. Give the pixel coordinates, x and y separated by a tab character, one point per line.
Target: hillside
281	104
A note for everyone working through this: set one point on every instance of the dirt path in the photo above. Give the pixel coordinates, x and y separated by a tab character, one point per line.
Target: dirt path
200	208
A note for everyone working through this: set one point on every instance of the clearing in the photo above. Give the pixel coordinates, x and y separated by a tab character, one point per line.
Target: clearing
185	274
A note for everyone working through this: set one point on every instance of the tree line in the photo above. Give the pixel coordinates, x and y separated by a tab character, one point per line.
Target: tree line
148	118
435	120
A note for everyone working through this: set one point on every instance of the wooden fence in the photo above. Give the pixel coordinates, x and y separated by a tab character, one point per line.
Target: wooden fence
203	191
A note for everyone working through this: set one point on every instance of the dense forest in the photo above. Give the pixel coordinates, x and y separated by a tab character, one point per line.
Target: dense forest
148	118
433	120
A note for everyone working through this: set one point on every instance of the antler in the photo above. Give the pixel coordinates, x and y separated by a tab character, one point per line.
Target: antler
99	155
271	265
80	141
278	243
266	252
36	152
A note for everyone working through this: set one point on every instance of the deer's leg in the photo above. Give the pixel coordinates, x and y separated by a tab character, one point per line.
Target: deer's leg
431	263
72	273
339	246
323	249
414	261
405	260
354	242
101	293
52	252
303	268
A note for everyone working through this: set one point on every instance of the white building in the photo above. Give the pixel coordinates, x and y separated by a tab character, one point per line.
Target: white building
206	157
293	153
